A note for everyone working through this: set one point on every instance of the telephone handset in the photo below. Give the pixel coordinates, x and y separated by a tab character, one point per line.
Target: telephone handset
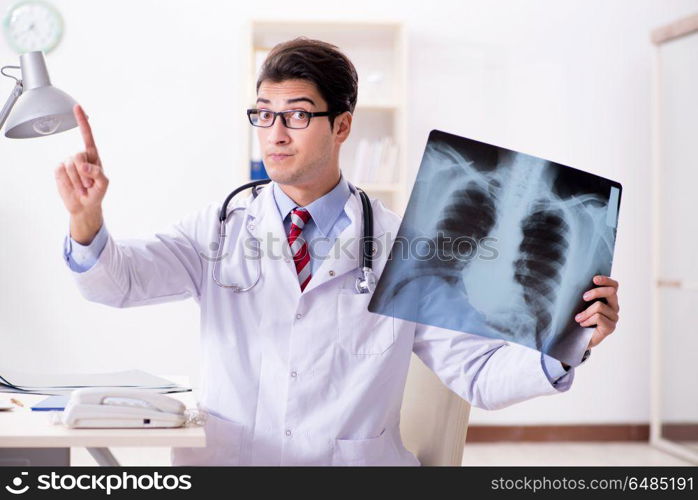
122	407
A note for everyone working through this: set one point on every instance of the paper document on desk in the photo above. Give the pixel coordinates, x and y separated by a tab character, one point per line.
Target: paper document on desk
64	383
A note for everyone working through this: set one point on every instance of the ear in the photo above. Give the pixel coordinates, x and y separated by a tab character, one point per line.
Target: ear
342	127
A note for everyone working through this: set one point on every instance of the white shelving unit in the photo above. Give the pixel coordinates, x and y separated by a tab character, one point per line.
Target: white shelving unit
378	53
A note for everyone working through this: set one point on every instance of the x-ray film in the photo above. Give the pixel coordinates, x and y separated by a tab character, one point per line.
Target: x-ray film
500	244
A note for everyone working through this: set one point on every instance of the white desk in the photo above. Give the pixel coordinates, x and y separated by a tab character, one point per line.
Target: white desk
30	438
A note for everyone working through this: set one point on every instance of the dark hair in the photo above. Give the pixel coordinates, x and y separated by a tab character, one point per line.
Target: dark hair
319	62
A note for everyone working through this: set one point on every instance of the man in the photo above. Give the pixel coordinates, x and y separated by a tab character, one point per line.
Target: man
296	371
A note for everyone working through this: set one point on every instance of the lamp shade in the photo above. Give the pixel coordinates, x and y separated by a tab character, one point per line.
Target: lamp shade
41	109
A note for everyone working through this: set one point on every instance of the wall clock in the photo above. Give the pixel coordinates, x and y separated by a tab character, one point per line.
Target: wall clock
33	25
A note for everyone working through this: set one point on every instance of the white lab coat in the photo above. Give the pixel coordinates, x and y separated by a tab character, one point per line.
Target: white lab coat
312	378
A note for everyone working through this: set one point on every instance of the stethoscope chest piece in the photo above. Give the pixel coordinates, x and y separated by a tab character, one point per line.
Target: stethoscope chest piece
366	283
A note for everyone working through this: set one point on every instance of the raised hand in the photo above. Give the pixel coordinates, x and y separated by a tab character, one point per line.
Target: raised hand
82	185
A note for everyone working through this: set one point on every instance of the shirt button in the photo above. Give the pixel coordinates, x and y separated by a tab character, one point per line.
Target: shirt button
250	226
299	316
331	272
288	432
294	374
287	260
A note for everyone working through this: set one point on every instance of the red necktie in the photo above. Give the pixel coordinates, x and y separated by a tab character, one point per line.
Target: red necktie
299	248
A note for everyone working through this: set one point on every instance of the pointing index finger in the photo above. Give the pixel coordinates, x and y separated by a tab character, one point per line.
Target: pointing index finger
86	131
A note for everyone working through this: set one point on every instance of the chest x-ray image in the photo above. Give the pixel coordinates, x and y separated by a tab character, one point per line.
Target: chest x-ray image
500	244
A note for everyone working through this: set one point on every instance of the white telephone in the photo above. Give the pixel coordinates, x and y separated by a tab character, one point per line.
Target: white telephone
117	407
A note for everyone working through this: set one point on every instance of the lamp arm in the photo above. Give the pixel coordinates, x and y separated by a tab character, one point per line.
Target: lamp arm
14	95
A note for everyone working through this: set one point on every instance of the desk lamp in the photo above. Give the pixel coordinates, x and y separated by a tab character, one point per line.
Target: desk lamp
43	109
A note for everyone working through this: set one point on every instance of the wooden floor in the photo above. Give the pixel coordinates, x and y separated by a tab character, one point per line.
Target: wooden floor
584	454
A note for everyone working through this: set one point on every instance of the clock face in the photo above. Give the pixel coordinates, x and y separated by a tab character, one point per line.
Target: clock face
33	25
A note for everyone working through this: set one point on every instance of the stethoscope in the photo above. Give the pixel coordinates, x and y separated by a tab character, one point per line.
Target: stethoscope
366	283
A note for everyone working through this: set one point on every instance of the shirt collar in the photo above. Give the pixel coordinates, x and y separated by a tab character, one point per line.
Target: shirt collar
324	211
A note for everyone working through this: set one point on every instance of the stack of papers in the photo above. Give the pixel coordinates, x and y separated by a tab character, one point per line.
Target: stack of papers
64	384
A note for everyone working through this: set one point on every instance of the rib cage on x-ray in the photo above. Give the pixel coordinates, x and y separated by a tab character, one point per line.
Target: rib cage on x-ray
545	243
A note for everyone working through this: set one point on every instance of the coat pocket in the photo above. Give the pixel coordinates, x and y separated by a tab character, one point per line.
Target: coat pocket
359	331
370	451
223	444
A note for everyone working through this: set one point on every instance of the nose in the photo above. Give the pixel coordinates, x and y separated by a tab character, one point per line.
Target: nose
278	134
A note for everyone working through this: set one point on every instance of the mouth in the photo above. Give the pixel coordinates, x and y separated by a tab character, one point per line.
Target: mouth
279	156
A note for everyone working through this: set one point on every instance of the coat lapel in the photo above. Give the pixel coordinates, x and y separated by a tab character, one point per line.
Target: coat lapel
345	254
264	223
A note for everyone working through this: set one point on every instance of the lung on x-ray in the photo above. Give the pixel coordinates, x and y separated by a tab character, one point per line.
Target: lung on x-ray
500	244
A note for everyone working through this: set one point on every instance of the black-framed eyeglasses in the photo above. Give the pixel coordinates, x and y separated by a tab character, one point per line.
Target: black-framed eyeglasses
291	118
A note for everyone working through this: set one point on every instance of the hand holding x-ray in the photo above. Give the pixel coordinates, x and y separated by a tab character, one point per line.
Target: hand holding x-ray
602	313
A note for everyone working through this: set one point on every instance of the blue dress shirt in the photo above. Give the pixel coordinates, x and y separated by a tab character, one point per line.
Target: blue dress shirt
328	220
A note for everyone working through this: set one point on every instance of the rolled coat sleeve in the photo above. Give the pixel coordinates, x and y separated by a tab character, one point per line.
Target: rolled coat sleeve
488	373
167	267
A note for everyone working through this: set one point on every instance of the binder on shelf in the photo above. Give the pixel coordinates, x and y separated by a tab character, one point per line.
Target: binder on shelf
257	170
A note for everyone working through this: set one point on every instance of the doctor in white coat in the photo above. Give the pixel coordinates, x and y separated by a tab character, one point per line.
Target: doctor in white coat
296	371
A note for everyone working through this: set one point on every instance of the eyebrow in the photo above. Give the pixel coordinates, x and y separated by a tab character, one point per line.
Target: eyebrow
288	101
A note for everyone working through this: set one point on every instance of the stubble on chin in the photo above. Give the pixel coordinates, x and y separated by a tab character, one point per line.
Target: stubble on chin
280	175
300	174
